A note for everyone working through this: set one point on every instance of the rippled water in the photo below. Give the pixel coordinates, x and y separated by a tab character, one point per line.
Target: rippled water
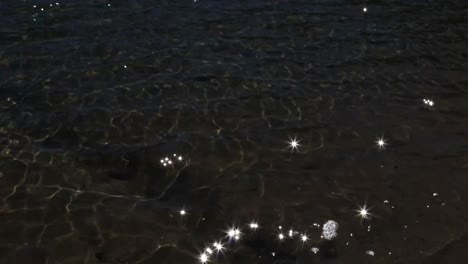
96	94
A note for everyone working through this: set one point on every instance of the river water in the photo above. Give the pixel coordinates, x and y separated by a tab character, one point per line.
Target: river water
145	131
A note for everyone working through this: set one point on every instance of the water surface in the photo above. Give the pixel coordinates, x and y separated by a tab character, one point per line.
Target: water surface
94	95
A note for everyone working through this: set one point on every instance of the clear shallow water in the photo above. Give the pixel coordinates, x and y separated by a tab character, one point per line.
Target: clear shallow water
94	96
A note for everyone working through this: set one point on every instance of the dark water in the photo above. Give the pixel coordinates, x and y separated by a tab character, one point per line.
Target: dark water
94	96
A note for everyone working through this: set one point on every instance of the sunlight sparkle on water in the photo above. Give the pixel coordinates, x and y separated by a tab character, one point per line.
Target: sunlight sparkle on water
171	160
234	233
293	143
428	102
218	246
208	251
203	258
280	236
363	212
253	225
381	143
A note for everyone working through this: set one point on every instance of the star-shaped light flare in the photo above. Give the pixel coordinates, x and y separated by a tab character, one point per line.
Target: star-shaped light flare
293	144
363	212
381	143
203	258
218	246
234	233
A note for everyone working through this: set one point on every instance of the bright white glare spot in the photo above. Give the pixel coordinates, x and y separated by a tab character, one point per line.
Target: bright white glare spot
234	233
182	212
170	161
253	225
280	236
304	238
370	252
381	143
428	102
293	144
364	9
218	246
363	212
208	251
203	258
315	250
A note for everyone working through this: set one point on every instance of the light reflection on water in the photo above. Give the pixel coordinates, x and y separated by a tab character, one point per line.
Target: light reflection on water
139	132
